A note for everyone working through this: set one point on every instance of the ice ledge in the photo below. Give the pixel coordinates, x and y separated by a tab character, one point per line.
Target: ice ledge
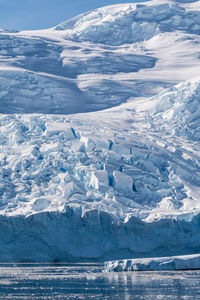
183	262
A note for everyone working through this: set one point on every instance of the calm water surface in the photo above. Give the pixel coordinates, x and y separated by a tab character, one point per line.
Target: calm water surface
87	281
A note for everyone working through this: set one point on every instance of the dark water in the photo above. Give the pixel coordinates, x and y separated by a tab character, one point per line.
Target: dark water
86	281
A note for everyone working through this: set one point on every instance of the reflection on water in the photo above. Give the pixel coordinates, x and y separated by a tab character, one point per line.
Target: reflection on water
87	281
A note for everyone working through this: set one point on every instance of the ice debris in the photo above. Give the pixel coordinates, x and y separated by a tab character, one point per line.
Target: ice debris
184	262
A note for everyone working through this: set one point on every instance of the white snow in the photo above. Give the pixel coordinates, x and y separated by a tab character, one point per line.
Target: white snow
184	262
99	135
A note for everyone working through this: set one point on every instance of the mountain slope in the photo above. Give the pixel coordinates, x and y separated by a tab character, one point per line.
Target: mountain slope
104	57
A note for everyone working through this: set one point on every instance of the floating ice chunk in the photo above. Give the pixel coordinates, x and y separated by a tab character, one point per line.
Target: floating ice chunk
184	262
122	182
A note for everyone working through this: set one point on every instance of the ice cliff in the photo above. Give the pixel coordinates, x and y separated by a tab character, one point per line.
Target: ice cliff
99	136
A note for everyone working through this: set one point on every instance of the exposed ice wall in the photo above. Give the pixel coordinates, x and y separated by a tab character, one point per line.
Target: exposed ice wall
55	236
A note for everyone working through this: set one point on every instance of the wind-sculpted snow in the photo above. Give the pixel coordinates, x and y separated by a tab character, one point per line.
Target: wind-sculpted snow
77	183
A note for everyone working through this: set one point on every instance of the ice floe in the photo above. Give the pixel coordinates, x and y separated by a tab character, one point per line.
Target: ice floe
184	262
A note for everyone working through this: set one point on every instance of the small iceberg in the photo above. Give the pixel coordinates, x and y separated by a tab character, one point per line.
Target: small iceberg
183	262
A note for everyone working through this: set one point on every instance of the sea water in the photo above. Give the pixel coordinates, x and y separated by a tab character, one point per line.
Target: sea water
88	281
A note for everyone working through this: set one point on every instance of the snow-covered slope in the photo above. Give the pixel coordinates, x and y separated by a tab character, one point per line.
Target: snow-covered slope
113	183
103	58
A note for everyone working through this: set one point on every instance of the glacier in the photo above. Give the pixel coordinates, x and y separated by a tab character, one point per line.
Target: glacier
99	136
